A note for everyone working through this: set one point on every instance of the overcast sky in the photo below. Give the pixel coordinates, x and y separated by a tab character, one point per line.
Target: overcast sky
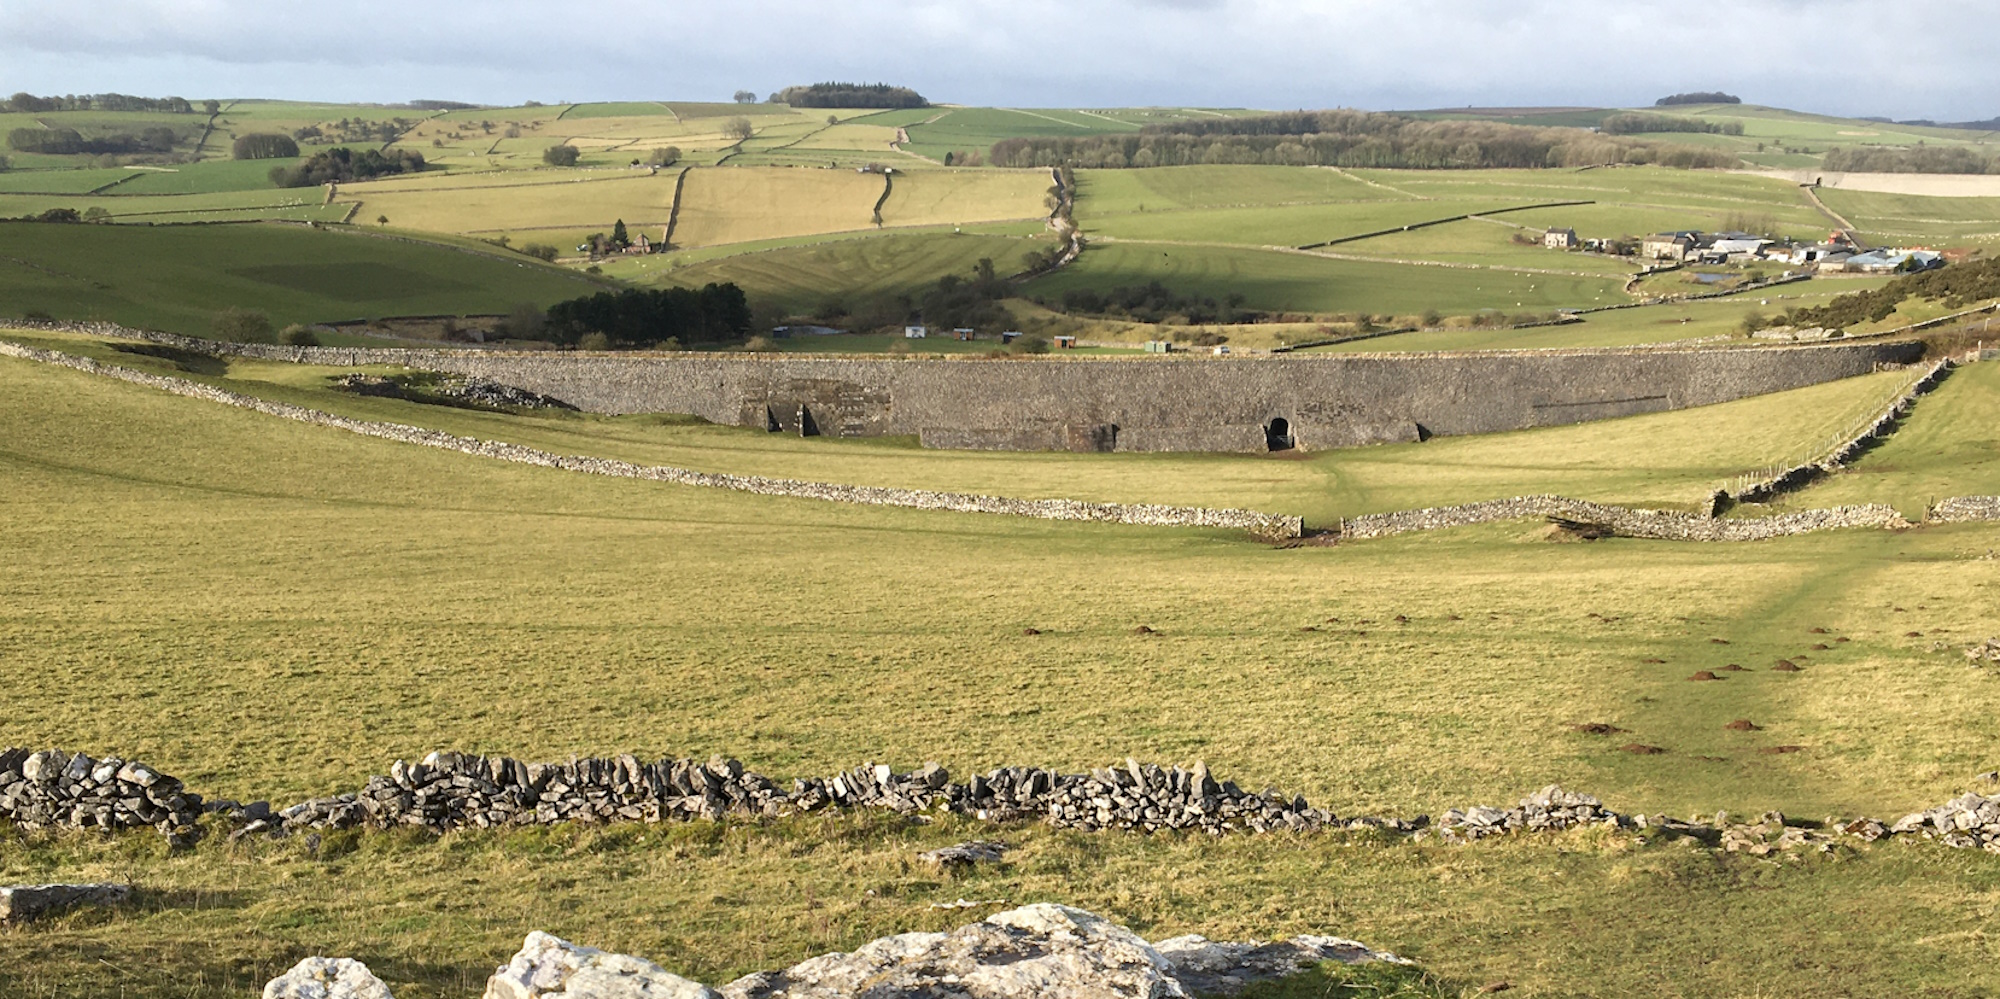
1924	59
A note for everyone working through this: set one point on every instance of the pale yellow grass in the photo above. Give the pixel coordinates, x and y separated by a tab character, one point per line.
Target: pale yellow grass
949	197
741	204
637	198
867	138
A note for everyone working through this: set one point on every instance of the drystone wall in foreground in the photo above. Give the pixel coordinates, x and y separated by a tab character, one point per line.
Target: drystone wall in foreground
448	791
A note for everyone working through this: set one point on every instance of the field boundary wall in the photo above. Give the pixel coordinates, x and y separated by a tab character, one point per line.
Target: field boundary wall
447	791
1629	522
1260	524
1853	446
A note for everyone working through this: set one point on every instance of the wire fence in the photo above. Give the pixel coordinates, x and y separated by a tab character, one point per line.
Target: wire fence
1828	449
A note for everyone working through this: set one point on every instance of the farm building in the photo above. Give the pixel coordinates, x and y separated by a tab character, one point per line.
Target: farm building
1732	246
1668	246
964	333
1885	262
915	332
1560	239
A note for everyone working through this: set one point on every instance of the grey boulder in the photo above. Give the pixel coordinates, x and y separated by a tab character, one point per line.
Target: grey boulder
549	967
327	978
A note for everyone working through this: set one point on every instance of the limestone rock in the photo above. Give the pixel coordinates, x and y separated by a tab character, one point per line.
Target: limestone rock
548	967
327	978
966	855
1039	951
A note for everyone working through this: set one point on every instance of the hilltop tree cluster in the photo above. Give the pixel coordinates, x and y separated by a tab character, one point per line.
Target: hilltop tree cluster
1909	159
642	318
850	95
25	103
1349	139
1636	123
338	165
1698	97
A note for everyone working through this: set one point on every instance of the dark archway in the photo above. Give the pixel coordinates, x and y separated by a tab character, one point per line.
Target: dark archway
808	427
771	424
1278	435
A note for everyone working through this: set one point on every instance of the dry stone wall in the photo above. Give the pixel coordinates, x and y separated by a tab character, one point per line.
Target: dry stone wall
1260	524
1960	509
1846	451
1622	521
448	791
1150	404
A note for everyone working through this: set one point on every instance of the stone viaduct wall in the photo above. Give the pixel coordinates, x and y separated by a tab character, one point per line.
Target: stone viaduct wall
1151	404
1275	526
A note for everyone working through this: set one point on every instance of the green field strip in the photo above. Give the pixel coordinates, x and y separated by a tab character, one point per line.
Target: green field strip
1338	240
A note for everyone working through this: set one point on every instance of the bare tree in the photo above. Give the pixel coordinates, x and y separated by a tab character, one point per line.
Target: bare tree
745	97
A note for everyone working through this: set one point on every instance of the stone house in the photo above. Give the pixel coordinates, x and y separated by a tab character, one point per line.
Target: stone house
1673	246
1561	239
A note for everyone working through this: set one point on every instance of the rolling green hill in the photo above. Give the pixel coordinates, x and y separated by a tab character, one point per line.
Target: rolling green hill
177	278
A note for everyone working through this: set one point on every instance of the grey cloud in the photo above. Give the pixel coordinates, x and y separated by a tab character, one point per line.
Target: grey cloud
1840	56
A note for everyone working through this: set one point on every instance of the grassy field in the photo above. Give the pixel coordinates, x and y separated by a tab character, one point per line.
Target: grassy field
1949	447
756	203
1302	282
853	271
279	609
530	210
1895	219
1123	192
1284	225
178	277
949	197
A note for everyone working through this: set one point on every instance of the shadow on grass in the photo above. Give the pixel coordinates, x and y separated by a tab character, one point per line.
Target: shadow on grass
185	360
1372	980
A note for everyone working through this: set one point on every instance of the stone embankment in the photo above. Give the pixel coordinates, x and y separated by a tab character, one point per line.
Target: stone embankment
449	791
1260	524
1040	951
1622	521
1884	424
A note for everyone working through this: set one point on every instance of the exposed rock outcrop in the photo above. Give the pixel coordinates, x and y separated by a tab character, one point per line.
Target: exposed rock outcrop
549	967
327	978
1043	951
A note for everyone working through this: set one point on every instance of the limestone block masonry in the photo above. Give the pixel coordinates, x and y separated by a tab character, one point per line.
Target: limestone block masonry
1150	404
1266	525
